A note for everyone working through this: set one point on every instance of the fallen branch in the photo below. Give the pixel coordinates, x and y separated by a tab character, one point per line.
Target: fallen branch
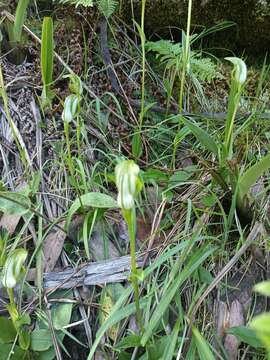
101	272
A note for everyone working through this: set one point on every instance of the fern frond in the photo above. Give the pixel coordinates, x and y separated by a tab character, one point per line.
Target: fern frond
86	3
107	7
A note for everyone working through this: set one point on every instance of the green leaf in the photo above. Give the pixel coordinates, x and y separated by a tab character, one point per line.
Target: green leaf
47	53
154	175
24	339
202	346
209	200
41	340
94	200
14	203
47	354
137	145
9	334
19	19
107	7
179	177
250	177
15	351
195	261
263	288
261	325
61	315
204	138
130	341
246	335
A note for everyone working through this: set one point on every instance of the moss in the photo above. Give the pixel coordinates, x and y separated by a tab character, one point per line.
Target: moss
251	18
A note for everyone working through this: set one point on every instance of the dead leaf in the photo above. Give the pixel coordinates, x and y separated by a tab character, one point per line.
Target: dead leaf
236	318
144	226
52	247
10	222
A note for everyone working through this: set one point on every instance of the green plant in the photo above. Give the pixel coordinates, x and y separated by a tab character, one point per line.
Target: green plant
185	68
129	185
171	56
47	57
106	7
12	272
14	31
228	174
19	20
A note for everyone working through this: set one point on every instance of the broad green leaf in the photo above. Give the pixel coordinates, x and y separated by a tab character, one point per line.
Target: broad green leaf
47	52
261	325
250	177
61	315
15	351
94	200
137	148
41	340
9	333
47	354
245	335
14	203
263	288
13	268
202	346
204	138
195	261
19	19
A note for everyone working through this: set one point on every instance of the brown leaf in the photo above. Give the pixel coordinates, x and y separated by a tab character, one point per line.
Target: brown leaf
10	222
236	318
52	247
143	229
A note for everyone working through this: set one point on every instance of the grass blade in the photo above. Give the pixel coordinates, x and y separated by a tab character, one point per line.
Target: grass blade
202	346
196	260
19	19
171	344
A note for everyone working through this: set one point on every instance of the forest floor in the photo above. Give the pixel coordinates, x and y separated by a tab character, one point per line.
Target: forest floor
202	253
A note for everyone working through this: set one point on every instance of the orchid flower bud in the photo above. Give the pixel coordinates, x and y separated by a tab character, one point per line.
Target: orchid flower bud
71	106
13	268
127	182
240	69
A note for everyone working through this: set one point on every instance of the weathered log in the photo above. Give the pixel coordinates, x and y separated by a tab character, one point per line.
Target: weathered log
101	272
251	18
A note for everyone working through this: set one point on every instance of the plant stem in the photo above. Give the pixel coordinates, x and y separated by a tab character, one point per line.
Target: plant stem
130	218
70	165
